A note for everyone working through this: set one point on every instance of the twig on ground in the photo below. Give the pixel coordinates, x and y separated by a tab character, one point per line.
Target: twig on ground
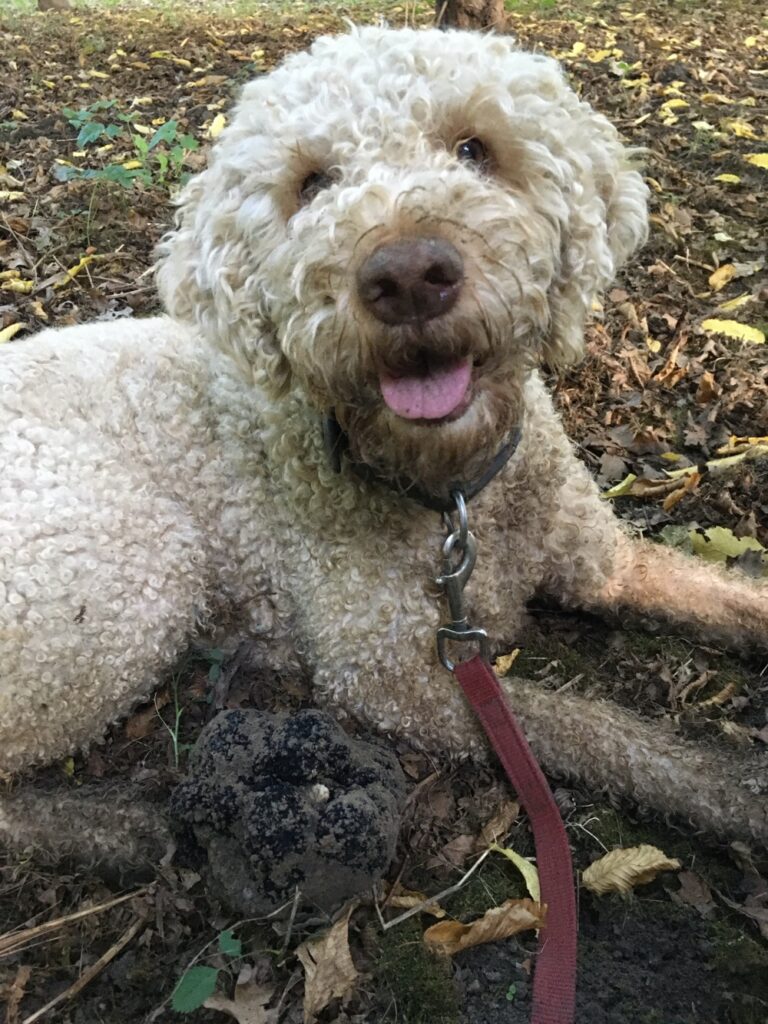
13	942
386	925
90	973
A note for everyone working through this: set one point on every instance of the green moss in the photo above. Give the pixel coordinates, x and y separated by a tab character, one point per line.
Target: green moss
417	986
742	964
493	883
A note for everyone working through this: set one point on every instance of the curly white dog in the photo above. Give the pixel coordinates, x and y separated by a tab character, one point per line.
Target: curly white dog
394	229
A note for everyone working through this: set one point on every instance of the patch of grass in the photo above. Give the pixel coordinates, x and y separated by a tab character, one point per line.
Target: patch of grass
494	882
531	6
420	984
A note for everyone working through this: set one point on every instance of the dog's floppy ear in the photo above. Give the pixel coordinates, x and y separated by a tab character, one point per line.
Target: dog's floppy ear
607	222
207	277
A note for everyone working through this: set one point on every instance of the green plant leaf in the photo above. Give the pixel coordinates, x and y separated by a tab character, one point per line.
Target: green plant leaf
162	163
229	945
90	132
194	987
76	118
165	133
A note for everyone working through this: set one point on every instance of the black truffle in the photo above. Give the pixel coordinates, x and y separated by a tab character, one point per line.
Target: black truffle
276	802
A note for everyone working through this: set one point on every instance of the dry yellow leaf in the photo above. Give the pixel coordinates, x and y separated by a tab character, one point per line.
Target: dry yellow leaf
182	62
207	80
450	937
718	543
758	160
729	179
595	56
620	489
715	98
622	869
720	277
504	662
10	196
742	129
12	329
131	165
72	273
675	104
635	83
218	124
735	441
731	304
20	287
328	969
733	329
527	870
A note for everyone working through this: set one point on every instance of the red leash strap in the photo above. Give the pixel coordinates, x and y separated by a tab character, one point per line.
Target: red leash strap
554	982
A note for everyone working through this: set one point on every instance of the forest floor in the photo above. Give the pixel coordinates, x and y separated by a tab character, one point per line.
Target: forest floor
83	200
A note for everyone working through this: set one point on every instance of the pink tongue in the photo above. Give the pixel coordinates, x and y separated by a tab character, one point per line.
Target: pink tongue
429	395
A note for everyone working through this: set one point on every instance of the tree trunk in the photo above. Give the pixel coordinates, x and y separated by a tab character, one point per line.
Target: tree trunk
474	14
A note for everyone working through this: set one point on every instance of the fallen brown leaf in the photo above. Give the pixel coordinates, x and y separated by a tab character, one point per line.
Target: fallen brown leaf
456	852
148	719
695	892
500	824
449	937
249	1004
328	968
15	993
404	899
708	389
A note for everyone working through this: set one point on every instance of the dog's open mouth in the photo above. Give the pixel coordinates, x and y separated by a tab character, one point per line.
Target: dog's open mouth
428	388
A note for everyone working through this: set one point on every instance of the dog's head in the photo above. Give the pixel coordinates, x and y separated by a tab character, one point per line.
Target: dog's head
401	223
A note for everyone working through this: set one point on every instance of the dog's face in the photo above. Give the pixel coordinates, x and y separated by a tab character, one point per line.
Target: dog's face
401	223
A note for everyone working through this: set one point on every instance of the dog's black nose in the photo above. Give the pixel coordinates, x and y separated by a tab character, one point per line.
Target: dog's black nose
412	280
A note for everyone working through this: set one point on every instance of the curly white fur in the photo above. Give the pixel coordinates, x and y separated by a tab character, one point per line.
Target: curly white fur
163	476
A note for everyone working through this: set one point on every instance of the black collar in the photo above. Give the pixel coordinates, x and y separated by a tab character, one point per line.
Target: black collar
337	445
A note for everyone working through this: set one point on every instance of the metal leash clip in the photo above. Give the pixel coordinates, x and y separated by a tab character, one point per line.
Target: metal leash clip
459	554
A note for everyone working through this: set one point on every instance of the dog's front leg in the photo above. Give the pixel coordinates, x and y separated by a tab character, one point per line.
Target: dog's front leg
656	582
595	742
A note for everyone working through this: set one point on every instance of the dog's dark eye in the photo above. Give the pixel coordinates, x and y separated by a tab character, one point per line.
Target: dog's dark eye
472	151
313	184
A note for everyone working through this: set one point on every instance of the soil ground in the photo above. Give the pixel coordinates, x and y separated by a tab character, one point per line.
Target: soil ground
78	221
